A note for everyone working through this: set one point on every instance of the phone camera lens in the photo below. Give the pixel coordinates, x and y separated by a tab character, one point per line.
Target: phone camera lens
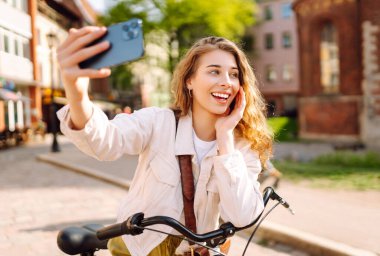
132	34
125	27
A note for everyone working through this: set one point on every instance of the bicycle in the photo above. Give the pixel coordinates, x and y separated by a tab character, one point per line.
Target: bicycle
88	239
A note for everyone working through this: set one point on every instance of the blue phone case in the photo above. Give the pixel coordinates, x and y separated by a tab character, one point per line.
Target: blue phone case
126	44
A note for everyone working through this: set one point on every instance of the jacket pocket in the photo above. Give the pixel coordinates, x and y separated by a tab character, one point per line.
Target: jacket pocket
165	171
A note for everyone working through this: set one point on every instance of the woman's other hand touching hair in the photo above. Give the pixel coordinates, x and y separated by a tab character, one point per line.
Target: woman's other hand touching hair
226	124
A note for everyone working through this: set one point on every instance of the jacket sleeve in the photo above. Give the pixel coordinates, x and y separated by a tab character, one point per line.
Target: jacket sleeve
240	197
106	139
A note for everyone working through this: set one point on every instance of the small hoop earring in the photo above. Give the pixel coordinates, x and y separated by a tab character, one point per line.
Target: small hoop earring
190	93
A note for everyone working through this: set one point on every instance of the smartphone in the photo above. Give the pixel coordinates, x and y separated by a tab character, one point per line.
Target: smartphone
126	44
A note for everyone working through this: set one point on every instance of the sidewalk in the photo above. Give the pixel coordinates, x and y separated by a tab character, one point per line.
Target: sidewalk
326	222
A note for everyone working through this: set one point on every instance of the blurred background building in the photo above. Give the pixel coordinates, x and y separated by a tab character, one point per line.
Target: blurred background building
28	69
339	70
17	82
273	52
52	20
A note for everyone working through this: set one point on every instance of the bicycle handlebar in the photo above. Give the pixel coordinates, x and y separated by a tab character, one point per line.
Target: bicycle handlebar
135	225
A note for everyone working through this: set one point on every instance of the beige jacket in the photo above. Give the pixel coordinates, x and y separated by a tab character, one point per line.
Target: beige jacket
226	187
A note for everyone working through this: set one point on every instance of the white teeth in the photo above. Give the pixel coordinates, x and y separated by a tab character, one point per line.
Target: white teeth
220	95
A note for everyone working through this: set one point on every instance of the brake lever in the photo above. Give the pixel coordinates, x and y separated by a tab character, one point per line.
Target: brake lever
278	198
228	230
133	224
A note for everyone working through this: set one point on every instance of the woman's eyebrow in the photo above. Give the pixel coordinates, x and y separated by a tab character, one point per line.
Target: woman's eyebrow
218	66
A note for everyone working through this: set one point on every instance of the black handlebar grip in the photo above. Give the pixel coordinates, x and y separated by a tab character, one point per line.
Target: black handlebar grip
112	231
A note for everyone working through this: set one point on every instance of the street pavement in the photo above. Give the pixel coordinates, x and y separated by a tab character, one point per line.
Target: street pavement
38	199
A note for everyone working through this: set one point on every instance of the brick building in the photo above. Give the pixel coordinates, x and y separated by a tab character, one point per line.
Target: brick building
339	42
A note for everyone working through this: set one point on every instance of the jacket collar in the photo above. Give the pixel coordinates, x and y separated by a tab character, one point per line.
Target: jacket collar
184	143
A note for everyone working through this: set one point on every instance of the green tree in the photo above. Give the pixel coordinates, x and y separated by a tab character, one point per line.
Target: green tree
188	20
184	21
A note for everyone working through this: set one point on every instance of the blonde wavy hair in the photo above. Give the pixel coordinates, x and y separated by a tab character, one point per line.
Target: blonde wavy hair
253	125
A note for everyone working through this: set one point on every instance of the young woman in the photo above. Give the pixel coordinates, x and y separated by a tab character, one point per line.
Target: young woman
228	142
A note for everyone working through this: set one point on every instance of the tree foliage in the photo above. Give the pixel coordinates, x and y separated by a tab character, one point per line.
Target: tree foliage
185	21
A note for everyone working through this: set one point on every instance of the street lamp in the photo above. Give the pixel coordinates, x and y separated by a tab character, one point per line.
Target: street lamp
51	39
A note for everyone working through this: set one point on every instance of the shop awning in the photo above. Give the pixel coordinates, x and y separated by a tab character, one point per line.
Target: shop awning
8	95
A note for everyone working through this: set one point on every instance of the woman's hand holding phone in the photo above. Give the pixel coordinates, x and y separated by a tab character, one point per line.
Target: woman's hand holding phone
73	51
226	124
75	80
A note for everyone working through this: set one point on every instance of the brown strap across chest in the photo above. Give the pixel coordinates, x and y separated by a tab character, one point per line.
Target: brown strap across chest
188	191
187	182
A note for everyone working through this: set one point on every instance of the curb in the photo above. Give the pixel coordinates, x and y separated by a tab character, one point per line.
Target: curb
312	244
49	158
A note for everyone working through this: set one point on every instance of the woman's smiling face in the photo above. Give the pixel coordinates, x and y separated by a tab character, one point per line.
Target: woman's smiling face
215	83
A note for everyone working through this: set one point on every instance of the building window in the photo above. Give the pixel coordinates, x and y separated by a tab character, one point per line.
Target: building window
41	71
17	48
287	73
270	74
286	40
24	6
248	43
6	43
14	3
39	41
19	4
329	55
269	41
1	39
286	10
268	14
26	48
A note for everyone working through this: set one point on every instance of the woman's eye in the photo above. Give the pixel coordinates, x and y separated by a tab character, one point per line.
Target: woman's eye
214	72
235	75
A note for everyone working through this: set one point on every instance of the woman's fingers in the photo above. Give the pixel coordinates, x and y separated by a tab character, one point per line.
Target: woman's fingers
84	39
83	54
72	51
75	34
229	122
76	40
68	39
240	102
90	73
227	112
94	73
